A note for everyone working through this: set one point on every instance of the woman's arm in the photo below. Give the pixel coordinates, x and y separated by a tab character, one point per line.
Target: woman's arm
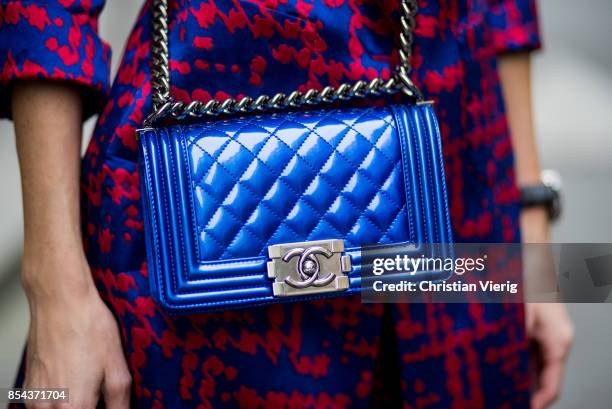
73	341
515	75
548	325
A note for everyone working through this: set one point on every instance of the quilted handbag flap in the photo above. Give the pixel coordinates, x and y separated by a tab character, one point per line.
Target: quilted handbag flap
224	198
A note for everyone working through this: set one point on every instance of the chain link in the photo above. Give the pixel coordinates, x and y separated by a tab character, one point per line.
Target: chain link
164	106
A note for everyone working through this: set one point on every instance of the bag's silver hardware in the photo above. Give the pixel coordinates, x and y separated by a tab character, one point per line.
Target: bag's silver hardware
308	267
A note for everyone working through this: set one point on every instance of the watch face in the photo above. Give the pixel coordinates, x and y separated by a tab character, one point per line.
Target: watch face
552	179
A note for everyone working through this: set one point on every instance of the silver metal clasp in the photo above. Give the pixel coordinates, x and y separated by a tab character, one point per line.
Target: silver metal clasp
308	267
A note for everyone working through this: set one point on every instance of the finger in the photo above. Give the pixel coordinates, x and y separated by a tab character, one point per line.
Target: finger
116	389
550	380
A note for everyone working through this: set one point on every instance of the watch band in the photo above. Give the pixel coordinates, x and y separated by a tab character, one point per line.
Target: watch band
541	195
536	195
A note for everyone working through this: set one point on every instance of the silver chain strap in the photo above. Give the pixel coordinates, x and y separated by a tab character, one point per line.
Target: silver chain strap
164	106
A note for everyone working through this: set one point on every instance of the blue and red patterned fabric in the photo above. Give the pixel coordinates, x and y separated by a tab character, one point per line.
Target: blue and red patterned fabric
316	354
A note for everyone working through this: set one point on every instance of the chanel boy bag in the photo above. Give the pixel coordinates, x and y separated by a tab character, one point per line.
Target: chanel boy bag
263	202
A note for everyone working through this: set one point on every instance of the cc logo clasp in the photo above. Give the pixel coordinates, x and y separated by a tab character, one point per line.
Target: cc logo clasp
308	267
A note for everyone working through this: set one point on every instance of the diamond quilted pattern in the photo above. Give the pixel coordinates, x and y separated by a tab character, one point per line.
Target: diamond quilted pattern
296	177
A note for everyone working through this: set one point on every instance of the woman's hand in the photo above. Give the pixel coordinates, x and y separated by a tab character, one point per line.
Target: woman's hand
73	341
551	333
549	328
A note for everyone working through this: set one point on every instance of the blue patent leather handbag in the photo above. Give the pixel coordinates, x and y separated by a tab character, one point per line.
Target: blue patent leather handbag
252	208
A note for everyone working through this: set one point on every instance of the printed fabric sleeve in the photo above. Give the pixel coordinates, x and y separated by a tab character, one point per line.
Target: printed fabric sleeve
514	25
56	40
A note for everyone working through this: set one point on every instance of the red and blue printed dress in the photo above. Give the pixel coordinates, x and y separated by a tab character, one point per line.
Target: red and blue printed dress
318	354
